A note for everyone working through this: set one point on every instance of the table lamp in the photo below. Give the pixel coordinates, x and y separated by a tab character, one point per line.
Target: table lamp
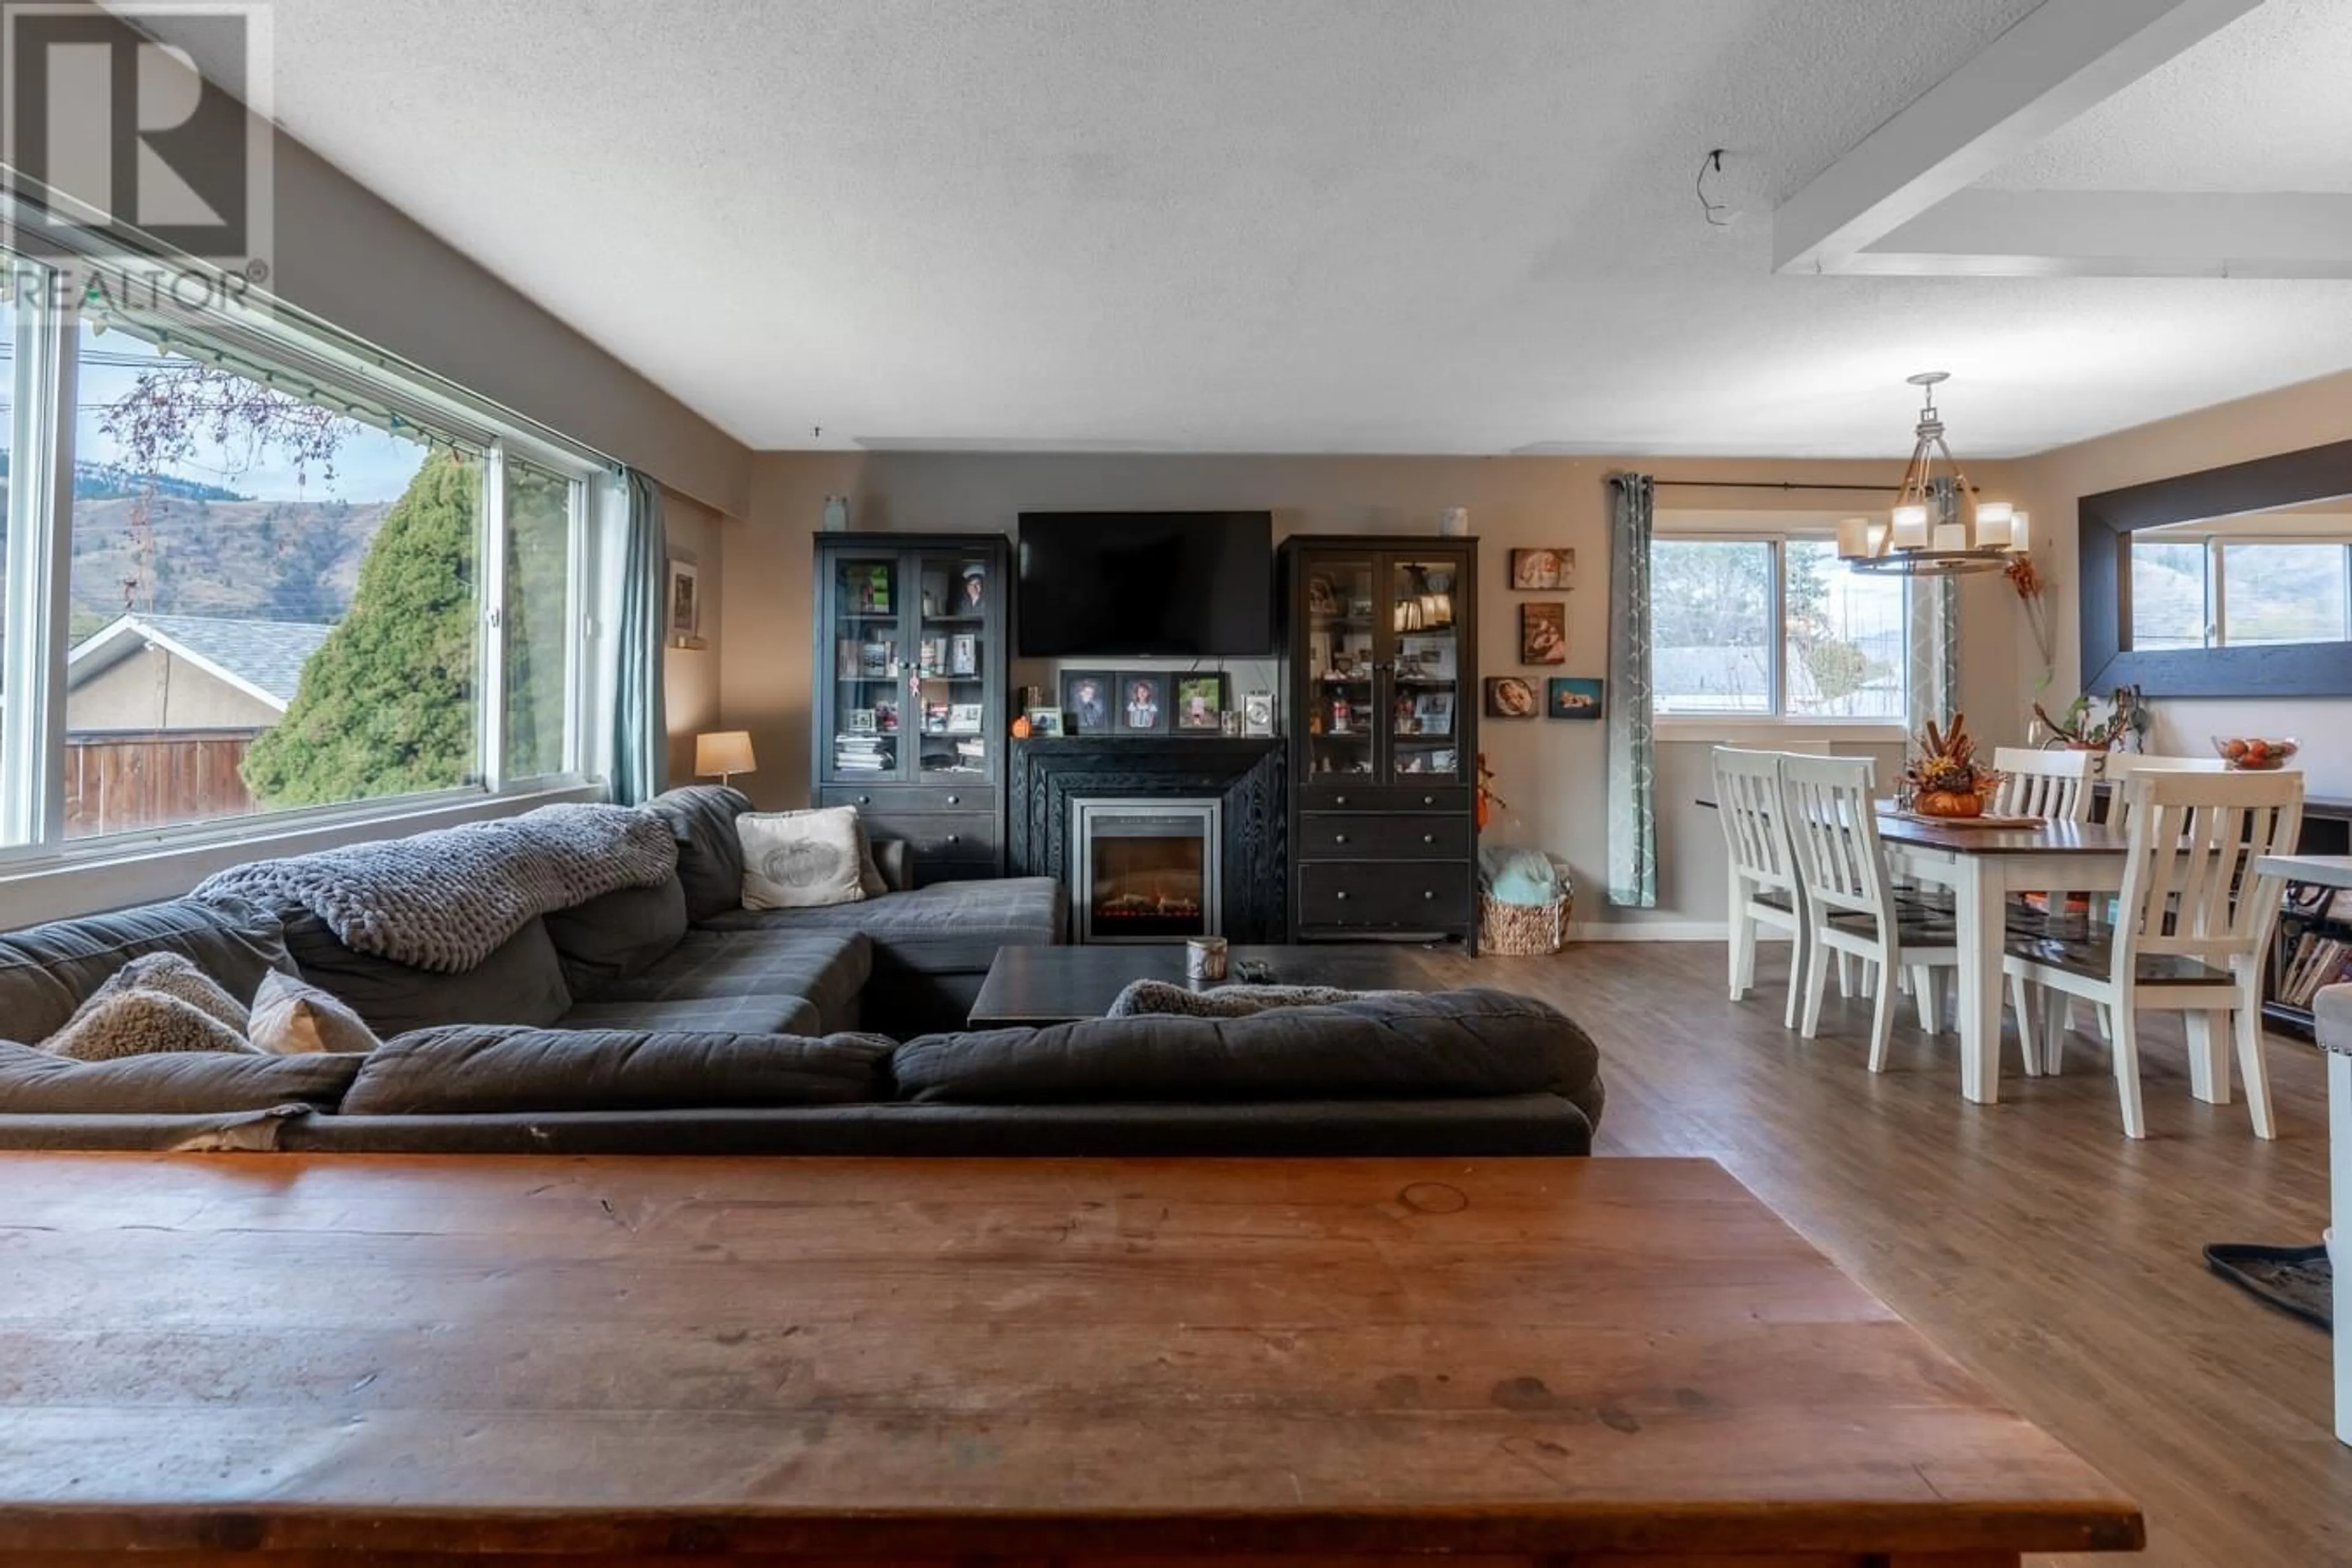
725	752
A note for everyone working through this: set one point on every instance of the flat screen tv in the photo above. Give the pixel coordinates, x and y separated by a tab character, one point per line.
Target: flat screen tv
1169	584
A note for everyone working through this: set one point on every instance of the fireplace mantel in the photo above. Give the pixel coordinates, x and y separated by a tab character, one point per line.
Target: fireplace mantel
1247	776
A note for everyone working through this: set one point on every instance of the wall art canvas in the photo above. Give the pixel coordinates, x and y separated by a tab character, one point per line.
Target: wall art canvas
1539	571
1543	633
1511	697
1572	697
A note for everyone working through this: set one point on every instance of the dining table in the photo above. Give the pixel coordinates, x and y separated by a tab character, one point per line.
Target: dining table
1981	865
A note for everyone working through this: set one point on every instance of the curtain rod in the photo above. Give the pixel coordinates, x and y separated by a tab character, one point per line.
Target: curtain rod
1764	485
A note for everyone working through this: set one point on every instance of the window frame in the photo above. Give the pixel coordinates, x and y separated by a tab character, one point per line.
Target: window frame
1777	722
2216	547
333	369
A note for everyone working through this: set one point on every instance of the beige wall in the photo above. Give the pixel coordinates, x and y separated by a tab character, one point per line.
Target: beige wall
690	675
154	689
2311	415
1553	774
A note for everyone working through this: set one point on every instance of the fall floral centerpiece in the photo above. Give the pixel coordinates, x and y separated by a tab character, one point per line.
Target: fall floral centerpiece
1946	780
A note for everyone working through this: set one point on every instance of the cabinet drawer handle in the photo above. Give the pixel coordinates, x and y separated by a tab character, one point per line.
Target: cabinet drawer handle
1339	838
865	800
955	837
1341	895
1429	800
1338	800
1429	838
1428	896
955	800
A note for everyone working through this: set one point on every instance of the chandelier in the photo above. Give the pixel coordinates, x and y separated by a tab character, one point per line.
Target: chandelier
1939	526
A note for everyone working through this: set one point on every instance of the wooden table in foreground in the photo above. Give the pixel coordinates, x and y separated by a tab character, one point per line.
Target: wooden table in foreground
263	1359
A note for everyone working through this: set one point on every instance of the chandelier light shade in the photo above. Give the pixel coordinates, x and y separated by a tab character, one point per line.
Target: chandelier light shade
1938	526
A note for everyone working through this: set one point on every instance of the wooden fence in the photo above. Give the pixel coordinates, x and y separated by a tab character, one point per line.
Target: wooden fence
117	782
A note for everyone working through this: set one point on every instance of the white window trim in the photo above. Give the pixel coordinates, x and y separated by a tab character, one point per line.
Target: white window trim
36	860
1731	726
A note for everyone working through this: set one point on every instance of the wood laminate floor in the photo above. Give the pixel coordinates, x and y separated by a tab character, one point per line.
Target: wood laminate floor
2056	1258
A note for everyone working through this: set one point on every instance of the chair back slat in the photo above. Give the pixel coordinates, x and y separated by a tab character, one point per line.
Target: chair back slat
2052	786
2122	767
2191	888
1834	825
1747	801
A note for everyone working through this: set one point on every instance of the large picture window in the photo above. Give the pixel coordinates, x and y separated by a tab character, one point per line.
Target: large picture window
1774	627
285	586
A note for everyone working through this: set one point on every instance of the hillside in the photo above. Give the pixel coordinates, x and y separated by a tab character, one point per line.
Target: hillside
281	561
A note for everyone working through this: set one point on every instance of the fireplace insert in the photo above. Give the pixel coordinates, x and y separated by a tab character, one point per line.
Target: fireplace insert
1146	870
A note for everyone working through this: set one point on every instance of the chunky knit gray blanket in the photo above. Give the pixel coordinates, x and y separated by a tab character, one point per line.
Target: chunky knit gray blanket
446	900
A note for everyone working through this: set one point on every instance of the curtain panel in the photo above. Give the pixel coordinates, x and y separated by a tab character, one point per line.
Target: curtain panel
640	735
1632	770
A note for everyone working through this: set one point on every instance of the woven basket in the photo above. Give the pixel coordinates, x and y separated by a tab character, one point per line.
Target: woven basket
1522	930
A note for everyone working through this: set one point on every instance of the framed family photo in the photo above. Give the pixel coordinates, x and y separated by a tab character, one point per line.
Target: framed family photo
1539	571
1574	697
1142	703
1543	633
1201	702
1086	698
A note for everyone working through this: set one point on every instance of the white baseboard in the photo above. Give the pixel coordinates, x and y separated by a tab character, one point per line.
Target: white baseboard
1651	930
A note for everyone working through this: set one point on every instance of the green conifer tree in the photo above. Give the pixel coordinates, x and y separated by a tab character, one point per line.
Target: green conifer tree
386	705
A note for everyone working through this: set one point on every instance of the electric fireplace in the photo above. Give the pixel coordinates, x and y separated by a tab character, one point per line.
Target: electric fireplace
1146	869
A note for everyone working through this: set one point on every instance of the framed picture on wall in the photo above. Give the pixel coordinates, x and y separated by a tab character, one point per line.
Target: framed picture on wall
1511	697
1543	633
685	599
1538	570
1572	697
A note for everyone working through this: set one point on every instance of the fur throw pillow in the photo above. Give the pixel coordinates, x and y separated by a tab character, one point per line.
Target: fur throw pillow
177	975
801	860
1231	1000
129	1023
292	1019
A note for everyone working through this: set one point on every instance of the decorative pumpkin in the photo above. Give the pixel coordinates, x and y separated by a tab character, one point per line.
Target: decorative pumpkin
1946	780
1020	727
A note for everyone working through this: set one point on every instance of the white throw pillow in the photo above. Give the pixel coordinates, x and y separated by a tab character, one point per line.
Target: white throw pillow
291	1018
801	860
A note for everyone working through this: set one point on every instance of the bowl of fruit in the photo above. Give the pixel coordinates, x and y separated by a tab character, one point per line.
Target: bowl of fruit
2251	754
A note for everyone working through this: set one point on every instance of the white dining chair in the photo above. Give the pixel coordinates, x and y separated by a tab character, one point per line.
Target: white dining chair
2057	786
2052	786
2124	766
2192	928
1850	903
1764	887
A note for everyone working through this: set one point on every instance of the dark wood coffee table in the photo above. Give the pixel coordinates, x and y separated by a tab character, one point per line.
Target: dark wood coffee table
1062	985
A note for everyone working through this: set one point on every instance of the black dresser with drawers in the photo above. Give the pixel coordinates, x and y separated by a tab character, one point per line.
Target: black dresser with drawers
1379	646
912	679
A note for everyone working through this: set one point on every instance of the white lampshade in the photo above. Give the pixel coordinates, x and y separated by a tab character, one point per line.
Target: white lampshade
1951	536
2021	533
1910	527
1994	520
1853	538
724	752
1878	533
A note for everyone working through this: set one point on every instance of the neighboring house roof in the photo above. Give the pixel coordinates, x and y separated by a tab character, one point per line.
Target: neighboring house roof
262	658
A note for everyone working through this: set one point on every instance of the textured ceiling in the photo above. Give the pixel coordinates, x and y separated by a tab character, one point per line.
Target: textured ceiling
1403	225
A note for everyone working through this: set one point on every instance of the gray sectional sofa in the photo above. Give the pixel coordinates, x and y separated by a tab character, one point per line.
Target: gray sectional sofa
670	1019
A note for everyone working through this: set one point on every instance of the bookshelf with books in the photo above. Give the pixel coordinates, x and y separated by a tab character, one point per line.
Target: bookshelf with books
911	726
